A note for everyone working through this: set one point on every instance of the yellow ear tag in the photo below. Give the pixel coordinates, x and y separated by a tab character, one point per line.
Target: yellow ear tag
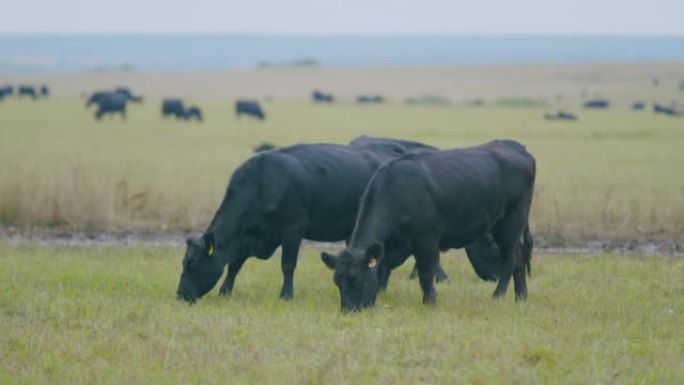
372	263
211	249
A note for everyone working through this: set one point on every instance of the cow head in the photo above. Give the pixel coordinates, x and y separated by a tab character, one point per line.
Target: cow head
356	275
201	268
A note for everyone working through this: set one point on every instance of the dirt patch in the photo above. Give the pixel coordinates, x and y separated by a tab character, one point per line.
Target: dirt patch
50	237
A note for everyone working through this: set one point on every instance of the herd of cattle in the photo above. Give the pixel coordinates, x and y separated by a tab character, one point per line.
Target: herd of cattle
604	104
25	91
387	199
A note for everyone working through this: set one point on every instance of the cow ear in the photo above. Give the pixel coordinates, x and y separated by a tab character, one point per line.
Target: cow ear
329	260
373	254
209	243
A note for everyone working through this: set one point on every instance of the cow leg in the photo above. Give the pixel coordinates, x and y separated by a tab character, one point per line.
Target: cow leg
233	270
395	255
291	240
426	252
441	275
507	234
522	268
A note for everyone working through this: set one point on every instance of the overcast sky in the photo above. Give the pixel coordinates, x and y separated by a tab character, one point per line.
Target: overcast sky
664	17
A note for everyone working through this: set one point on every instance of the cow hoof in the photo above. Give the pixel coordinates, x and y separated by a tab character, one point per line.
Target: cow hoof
430	300
286	296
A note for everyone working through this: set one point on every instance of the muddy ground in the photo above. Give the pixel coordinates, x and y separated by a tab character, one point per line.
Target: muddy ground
56	237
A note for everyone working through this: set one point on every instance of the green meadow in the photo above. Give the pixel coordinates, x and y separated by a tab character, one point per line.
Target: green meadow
108	315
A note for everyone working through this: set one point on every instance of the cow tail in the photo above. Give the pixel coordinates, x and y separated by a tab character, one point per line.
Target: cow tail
526	249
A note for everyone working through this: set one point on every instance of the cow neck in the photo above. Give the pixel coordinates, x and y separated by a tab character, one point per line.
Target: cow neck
370	229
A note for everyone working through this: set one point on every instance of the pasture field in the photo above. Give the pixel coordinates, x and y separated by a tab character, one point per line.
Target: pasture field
613	175
108	315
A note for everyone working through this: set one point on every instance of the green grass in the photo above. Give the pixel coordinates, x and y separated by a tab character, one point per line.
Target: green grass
612	175
108	315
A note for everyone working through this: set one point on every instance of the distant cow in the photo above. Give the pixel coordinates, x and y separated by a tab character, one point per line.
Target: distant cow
318	96
598	104
370	99
97	96
666	110
44	91
29	91
110	103
173	107
6	90
249	107
638	106
430	202
560	115
193	112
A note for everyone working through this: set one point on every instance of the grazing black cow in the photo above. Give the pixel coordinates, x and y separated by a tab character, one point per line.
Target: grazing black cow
173	107
561	115
6	90
425	203
638	106
264	147
110	103
483	254
193	112
597	104
370	99
249	107
44	91
320	97
666	110
29	91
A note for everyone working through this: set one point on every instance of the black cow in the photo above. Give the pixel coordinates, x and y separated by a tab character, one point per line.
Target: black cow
249	107
665	110
597	104
193	112
110	103
318	96
638	106
173	107
6	90
422	203
44	91
483	254
560	115
370	99
29	91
